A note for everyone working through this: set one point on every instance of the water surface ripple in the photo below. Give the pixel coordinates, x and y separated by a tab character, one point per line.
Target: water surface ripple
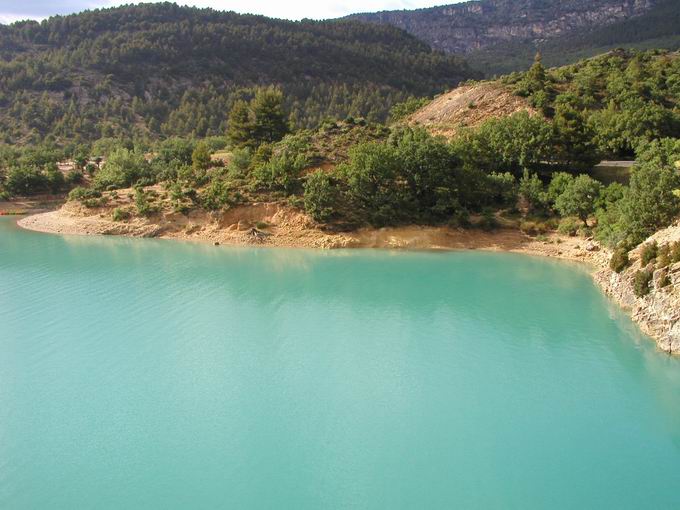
153	374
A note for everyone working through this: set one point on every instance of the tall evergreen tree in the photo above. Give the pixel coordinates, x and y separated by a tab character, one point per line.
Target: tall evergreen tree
240	130
270	117
200	158
536	75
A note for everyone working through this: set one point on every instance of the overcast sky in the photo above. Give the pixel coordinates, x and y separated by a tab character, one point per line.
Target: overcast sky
12	10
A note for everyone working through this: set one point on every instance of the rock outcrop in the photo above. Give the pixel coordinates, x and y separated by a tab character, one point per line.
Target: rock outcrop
657	313
470	26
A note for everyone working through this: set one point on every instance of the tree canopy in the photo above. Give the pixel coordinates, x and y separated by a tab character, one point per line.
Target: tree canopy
156	69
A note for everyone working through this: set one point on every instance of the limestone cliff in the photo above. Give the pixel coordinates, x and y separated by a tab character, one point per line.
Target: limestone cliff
470	26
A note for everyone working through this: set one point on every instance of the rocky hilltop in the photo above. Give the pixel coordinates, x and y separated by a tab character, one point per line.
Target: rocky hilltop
468	106
470	26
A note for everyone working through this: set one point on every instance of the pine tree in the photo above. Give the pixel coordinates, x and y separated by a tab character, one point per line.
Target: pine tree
536	77
270	117
240	130
200	158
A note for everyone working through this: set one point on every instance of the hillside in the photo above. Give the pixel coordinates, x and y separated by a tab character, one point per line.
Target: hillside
468	106
159	69
619	99
500	36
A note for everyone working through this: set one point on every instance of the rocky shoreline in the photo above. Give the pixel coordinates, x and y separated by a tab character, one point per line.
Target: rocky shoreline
657	313
272	224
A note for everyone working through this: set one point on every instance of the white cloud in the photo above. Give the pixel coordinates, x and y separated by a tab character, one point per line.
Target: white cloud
11	10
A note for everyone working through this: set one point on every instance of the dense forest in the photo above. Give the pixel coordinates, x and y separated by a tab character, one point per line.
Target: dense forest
618	101
150	71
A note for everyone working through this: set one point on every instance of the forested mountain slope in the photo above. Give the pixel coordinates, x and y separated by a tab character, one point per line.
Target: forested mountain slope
159	69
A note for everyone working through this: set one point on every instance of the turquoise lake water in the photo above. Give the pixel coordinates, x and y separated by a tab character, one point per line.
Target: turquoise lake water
157	375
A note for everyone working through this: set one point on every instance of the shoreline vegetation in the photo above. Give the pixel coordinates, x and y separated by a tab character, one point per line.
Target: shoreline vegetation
657	312
514	172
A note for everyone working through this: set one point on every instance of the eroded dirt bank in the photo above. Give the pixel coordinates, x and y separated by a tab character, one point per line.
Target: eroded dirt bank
273	224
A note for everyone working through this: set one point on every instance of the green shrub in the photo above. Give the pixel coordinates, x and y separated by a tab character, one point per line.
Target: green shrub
320	196
531	190
282	171
641	282
200	157
122	169
619	260
80	194
402	110
460	219
664	280
650	202
74	178
143	204
559	183
27	180
239	163
584	231
610	231
180	207
293	201
675	252
120	214
77	193
663	258
569	226
579	198
649	252
178	197
216	195
94	203
175	149
534	227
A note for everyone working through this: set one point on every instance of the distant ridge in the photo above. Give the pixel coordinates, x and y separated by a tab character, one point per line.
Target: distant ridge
500	36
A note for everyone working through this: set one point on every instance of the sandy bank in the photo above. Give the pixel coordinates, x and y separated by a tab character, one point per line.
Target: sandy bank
271	224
